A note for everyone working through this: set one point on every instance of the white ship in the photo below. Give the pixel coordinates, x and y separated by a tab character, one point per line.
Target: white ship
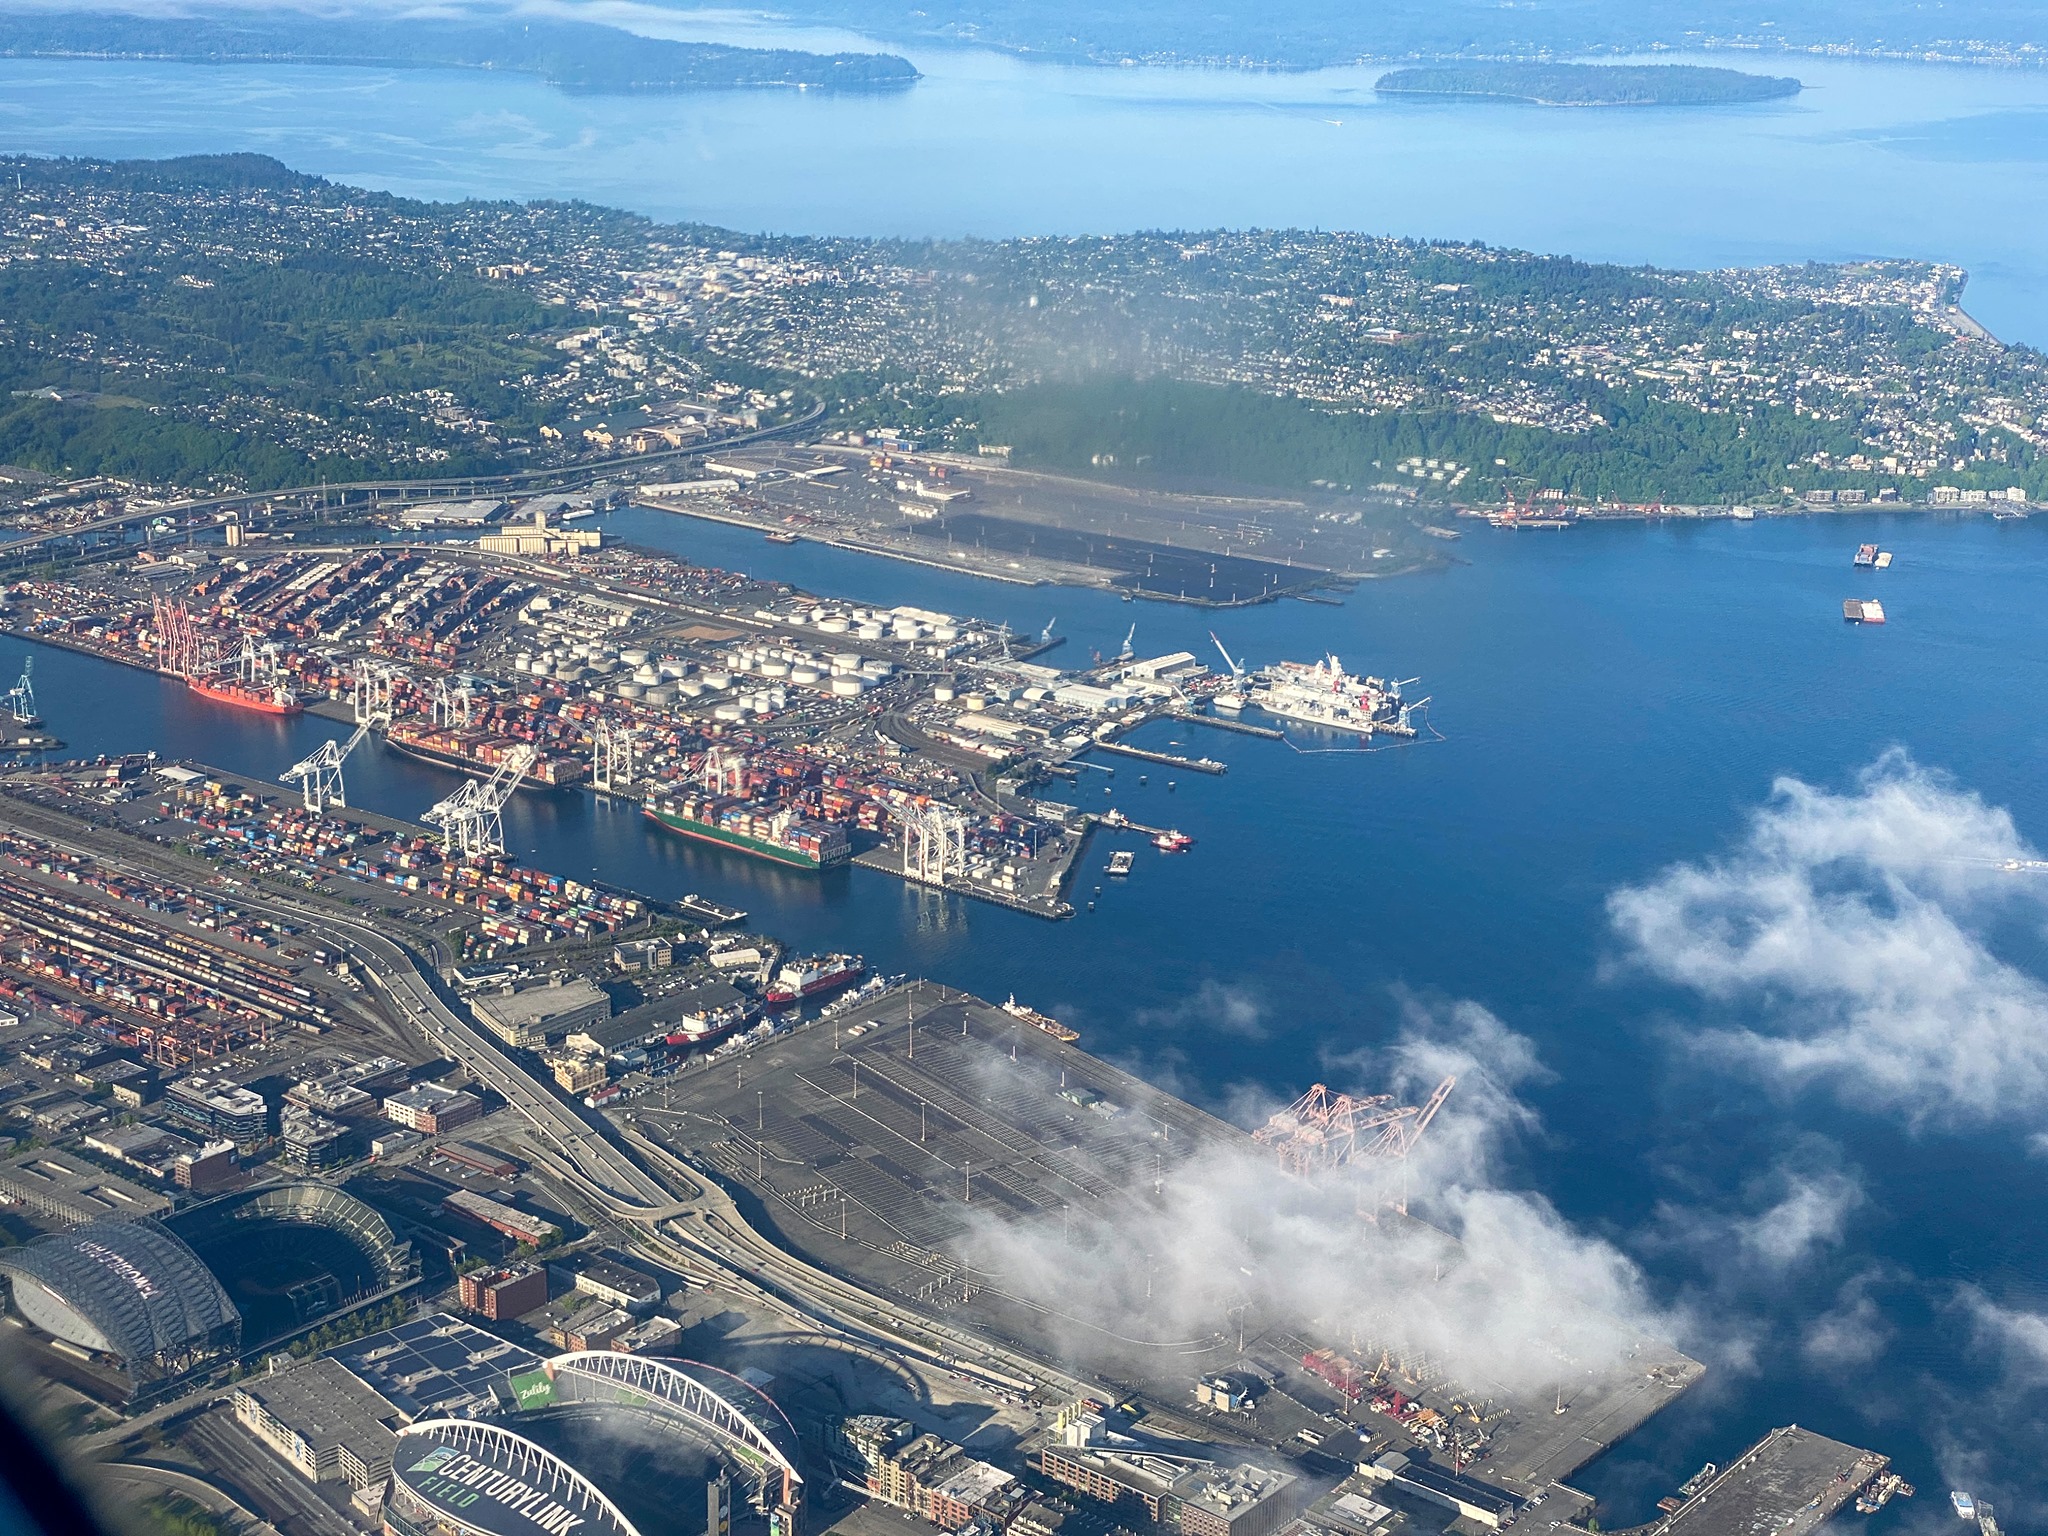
1323	693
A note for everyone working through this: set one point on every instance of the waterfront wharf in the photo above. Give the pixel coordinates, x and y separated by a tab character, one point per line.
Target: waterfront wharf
1168	759
1218	723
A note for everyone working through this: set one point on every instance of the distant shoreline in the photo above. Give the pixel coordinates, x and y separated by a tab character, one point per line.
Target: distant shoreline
571	56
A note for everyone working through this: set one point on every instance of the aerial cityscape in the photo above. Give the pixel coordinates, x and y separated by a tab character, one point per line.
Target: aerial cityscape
1365	882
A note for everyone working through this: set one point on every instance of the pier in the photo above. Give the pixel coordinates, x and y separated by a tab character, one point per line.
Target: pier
1790	1482
1168	759
1219	723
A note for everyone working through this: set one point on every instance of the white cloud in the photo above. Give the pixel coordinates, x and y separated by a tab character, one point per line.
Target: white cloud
1812	1214
1226	1007
1847	935
1850	1334
1518	1302
2016	1338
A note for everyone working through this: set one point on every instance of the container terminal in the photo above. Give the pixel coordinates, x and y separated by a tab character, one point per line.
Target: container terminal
775	724
325	1017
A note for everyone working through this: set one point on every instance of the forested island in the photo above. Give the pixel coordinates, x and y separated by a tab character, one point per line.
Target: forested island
573	55
1589	85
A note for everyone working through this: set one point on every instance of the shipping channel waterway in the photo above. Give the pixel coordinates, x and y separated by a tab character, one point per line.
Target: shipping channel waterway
1615	698
1946	163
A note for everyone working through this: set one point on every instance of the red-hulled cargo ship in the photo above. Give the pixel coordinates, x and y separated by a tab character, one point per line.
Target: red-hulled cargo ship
807	978
232	690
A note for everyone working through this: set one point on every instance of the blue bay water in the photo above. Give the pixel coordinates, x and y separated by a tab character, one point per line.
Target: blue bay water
1873	159
1614	699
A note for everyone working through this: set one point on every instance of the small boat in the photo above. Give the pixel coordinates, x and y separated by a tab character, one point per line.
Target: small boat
1120	862
1173	842
1965	1505
1866	555
779	537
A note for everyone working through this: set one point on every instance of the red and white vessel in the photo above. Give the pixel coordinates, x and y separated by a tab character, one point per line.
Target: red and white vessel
1173	842
807	978
704	1028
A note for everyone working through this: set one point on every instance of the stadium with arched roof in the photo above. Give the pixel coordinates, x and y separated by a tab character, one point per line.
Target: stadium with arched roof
130	1291
599	1444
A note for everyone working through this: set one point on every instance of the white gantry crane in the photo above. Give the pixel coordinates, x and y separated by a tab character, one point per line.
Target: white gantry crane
319	775
470	821
611	757
21	698
370	691
934	843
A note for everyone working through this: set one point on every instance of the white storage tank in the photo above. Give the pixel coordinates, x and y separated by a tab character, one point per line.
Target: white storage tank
690	690
633	656
945	632
805	675
717	679
629	690
847	687
846	661
871	631
976	702
729	713
834	625
775	669
644	673
661	694
943	694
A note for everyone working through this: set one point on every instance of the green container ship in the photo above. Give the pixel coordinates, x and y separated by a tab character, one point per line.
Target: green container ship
765	830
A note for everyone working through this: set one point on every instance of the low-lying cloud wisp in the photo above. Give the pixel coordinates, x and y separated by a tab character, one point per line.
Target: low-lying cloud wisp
1852	931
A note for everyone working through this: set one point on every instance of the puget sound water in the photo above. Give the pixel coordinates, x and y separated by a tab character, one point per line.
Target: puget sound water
1612	699
1873	159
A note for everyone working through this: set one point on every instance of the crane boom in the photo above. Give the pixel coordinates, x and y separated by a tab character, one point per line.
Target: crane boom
1236	671
319	773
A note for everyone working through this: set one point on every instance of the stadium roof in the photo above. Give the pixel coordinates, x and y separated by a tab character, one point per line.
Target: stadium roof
483	1479
130	1288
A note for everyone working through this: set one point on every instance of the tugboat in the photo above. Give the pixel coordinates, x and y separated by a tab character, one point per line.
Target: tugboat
1172	841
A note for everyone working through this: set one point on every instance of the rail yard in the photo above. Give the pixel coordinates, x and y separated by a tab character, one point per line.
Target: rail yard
832	1165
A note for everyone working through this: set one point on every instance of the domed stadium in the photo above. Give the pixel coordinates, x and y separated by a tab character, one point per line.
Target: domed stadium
132	1291
602	1444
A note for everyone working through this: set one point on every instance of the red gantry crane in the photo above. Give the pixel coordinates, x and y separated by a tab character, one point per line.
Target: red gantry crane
1323	1130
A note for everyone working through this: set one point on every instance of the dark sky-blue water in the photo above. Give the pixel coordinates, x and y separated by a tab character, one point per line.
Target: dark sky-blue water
1614	700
